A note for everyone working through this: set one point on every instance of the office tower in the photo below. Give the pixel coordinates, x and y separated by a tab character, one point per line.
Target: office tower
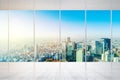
103	49
64	48
89	56
89	48
79	55
79	45
70	48
106	48
74	51
106	43
106	56
99	47
93	47
103	57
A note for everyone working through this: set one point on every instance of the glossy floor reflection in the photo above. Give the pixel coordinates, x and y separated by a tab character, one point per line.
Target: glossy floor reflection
58	76
53	71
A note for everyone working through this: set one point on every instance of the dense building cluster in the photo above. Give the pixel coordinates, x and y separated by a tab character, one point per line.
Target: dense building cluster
67	51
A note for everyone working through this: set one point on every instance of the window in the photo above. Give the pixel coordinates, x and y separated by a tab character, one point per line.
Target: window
21	36
3	36
116	35
72	35
47	36
98	36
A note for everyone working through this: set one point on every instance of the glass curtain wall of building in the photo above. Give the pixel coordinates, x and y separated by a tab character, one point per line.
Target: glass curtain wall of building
72	35
98	36
3	35
21	36
116	35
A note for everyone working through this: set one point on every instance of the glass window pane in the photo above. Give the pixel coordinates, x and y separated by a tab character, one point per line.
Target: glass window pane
3	35
72	35
21	36
98	36
116	35
47	35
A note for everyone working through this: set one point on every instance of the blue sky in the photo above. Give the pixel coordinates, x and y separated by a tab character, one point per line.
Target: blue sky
75	16
116	24
72	23
47	24
98	24
98	16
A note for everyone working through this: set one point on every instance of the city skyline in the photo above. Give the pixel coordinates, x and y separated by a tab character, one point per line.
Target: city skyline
35	35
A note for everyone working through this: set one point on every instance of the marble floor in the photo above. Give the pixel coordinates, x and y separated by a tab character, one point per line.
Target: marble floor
63	71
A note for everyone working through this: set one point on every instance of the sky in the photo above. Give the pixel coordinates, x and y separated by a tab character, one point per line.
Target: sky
20	28
72	24
98	24
21	24
47	24
116	24
3	31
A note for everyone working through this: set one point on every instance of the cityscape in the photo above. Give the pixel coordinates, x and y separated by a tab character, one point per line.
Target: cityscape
67	51
43	45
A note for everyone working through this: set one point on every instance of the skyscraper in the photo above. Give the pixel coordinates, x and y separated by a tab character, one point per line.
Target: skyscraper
79	55
103	45
70	49
99	47
64	48
106	43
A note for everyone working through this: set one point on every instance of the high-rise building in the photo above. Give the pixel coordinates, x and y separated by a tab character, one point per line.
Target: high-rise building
79	45
106	56
103	57
99	47
106	43
69	51
64	50
103	45
79	55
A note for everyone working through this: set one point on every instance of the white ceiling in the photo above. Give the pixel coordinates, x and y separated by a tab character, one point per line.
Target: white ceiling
59	4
